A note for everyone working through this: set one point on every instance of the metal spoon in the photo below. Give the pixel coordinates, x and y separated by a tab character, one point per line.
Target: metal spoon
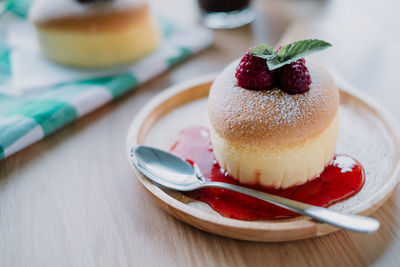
172	172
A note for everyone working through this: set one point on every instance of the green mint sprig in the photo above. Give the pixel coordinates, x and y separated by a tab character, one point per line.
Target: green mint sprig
288	53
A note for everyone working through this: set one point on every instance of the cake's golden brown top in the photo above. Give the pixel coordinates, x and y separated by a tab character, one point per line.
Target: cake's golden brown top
271	116
70	15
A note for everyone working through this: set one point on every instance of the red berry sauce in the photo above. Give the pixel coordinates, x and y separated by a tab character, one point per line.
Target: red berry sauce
341	179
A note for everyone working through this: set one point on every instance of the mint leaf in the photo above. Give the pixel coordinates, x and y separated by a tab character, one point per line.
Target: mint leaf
288	53
263	51
295	51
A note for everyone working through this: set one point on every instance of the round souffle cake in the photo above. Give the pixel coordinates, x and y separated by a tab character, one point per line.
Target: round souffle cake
278	130
94	33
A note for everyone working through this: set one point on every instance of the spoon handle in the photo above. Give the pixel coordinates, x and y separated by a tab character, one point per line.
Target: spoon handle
347	221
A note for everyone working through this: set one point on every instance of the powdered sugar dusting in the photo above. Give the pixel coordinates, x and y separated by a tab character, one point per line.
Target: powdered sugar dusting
271	114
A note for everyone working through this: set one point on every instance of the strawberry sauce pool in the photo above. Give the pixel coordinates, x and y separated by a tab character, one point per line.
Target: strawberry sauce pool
342	178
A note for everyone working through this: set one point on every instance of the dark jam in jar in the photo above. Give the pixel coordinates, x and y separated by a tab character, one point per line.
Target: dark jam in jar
223	5
342	178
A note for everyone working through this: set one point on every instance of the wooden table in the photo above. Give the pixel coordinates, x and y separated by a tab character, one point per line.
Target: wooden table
71	200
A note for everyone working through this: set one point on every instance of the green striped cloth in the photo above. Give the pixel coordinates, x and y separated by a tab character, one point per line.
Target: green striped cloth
27	118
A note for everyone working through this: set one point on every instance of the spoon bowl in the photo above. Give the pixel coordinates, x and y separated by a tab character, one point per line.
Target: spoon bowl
164	168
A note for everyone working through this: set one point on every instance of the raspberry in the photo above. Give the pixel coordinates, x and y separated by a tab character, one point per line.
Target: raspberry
253	73
294	78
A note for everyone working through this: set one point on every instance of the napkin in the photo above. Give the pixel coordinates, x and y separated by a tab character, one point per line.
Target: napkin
38	97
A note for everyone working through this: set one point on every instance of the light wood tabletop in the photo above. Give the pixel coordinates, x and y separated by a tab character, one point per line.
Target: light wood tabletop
72	200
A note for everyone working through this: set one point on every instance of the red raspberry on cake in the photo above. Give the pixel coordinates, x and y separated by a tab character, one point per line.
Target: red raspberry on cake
253	73
294	78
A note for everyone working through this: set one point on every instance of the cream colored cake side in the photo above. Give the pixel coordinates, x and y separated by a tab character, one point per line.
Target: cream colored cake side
85	50
276	165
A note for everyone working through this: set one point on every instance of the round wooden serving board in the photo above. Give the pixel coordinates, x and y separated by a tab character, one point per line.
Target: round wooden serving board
366	132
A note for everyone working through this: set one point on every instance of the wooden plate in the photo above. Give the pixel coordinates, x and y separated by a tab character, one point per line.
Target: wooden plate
366	131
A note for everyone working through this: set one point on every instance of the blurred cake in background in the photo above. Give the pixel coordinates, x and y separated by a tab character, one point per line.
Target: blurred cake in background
94	33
